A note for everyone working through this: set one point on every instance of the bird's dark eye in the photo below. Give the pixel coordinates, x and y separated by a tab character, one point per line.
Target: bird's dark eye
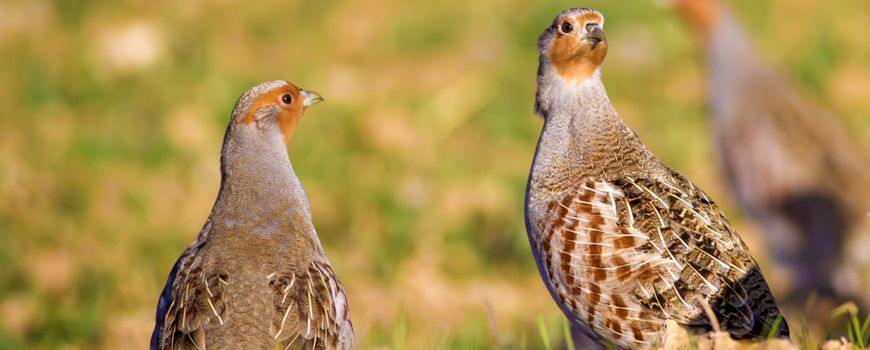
287	99
567	27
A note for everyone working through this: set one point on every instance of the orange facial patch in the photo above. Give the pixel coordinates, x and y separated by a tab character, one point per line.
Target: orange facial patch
702	14
287	115
574	58
589	17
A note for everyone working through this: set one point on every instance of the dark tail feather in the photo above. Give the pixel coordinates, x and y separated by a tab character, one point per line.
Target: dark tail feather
747	311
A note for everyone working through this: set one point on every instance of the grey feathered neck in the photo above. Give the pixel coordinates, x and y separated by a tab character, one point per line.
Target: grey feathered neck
733	65
258	184
583	134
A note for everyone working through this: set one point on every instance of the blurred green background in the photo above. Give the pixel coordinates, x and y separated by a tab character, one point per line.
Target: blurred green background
112	115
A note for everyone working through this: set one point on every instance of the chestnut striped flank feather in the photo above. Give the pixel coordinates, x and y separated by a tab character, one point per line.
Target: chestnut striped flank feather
589	257
626	254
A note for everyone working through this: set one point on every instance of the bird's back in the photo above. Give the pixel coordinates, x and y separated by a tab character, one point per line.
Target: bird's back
256	291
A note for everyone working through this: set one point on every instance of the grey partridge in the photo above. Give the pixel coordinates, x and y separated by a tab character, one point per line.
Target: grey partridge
623	242
256	276
792	165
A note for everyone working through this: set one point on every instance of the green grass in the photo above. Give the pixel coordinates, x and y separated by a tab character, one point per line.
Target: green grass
566	332
771	334
545	334
858	332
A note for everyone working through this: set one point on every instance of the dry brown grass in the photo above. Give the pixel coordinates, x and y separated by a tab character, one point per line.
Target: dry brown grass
678	338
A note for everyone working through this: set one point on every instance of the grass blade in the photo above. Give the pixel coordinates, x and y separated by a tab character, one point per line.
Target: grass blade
773	328
566	329
856	326
865	330
851	333
544	335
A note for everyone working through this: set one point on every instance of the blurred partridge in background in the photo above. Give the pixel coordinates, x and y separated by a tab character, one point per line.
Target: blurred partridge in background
256	274
623	242
793	166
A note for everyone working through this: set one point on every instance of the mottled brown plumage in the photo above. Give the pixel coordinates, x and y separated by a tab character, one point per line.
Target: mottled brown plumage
256	276
622	241
792	165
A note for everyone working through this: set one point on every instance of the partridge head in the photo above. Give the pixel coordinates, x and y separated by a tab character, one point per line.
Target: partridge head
275	105
575	44
571	51
703	15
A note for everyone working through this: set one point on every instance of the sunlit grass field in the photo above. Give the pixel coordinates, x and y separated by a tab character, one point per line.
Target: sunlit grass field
112	115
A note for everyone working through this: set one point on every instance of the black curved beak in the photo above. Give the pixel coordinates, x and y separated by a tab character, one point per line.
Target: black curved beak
594	33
